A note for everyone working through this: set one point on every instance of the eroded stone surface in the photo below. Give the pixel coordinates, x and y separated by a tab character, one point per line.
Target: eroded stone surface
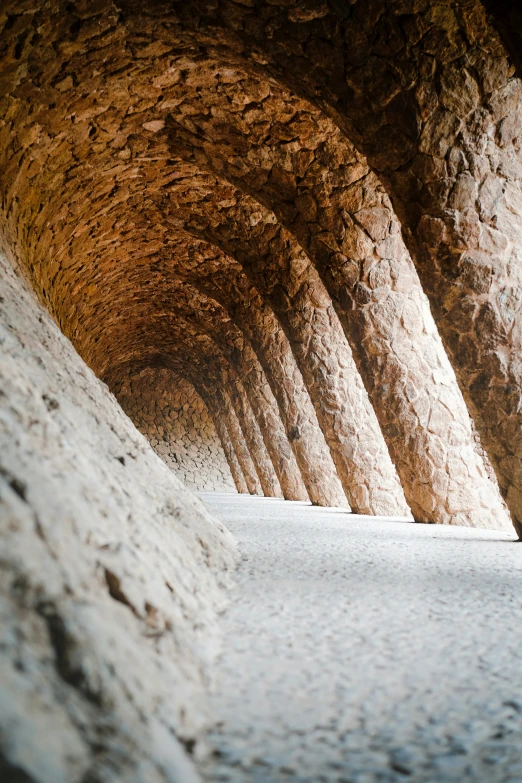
48	110
427	92
174	206
225	410
111	574
291	286
322	190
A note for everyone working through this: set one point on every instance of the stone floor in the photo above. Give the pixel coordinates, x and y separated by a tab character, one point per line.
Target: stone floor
360	650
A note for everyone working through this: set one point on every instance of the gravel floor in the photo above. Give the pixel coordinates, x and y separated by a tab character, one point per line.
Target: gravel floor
360	650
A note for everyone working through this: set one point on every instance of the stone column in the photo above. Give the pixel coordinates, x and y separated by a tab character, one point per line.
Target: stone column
263	331
348	229
284	276
212	319
438	117
226	442
267	414
253	438
343	410
226	410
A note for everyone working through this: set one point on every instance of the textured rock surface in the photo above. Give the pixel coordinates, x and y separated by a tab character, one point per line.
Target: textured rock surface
258	196
228	446
111	574
282	273
226	411
367	651
347	226
253	436
206	317
195	356
325	201
427	93
175	420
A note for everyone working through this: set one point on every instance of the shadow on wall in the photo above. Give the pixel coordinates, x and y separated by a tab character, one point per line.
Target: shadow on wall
171	414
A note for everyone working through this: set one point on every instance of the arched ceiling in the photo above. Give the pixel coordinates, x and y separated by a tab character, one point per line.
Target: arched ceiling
109	131
143	197
244	158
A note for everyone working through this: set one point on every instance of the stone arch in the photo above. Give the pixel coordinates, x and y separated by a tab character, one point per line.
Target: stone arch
283	275
273	351
451	499
322	190
65	151
204	373
428	94
203	315
181	346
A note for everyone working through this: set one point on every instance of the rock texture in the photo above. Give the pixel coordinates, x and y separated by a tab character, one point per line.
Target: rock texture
175	420
192	135
283	275
111	575
223	408
224	289
310	211
428	94
253	436
348	228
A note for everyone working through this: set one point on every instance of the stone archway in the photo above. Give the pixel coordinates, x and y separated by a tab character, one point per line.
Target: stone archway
310	213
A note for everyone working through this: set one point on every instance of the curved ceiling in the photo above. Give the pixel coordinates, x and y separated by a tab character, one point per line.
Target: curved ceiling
186	183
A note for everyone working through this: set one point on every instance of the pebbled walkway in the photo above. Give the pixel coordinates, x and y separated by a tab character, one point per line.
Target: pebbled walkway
360	650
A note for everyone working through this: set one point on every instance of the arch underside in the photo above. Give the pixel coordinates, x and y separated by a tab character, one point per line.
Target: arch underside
322	239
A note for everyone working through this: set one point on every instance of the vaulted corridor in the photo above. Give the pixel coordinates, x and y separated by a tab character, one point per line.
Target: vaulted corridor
260	274
360	650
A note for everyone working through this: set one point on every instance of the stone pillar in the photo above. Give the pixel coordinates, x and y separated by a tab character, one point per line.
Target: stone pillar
348	229
343	410
458	192
283	275
268	340
438	117
226	442
253	438
212	319
226	410
267	414
412	386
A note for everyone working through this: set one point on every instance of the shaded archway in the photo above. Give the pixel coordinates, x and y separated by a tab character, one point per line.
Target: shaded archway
129	124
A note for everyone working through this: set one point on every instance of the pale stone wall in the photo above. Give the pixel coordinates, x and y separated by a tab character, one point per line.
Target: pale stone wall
110	574
173	417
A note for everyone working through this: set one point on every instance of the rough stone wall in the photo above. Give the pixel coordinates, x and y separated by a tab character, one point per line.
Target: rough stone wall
175	420
177	184
110	343
347	226
428	93
80	127
110	574
225	409
283	274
